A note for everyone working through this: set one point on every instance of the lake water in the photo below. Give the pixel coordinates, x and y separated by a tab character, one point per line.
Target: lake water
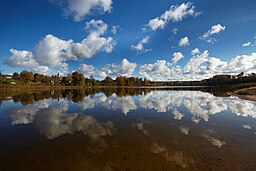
126	129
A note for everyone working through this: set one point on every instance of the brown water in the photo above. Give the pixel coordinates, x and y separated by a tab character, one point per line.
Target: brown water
126	130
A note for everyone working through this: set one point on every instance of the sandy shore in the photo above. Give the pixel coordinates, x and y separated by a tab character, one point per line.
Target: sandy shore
246	93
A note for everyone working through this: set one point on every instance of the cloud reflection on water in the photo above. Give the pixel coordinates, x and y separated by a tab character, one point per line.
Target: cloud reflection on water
171	155
56	121
208	135
51	119
201	105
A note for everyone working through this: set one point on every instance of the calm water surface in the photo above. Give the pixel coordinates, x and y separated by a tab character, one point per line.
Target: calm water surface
126	130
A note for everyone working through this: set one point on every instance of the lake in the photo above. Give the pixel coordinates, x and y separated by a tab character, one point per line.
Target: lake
126	129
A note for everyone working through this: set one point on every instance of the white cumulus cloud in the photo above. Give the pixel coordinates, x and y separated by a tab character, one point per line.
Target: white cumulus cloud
53	51
215	29
195	51
140	46
125	68
94	42
25	59
158	71
184	41
80	8
176	57
200	66
87	70
174	14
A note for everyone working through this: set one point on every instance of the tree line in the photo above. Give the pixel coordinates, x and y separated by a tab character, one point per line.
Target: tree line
76	79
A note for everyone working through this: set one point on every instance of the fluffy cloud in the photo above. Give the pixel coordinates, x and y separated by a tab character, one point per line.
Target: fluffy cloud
94	42
200	66
193	65
80	8
87	70
52	51
176	57
243	63
184	41
25	59
174	14
126	68
215	65
195	51
157	71
63	68
140	46
215	29
22	59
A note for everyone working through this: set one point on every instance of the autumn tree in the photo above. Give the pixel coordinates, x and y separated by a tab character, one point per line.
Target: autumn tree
38	77
26	76
55	79
78	79
15	75
108	80
46	79
120	81
67	81
146	82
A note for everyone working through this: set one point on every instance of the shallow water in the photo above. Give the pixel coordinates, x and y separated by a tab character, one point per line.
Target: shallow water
133	129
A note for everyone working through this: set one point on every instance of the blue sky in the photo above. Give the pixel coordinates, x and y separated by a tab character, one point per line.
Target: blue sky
115	37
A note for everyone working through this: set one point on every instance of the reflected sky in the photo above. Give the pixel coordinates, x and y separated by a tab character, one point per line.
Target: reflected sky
200	105
175	128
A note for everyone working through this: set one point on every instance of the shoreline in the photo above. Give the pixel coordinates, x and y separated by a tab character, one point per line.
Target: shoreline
245	93
246	97
49	87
